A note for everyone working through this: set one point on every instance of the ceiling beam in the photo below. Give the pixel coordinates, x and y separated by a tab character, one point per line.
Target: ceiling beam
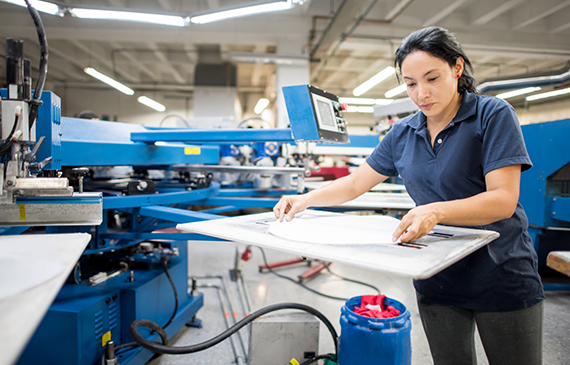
162	57
486	15
535	11
117	3
443	13
214	4
136	62
99	57
165	4
342	19
397	9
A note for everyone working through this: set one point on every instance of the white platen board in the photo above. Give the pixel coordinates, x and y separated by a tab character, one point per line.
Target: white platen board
444	247
33	268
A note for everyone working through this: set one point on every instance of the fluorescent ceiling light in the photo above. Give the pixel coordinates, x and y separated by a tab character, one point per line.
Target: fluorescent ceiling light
268	58
395	91
109	81
548	94
261	105
360	109
151	103
360	101
373	81
365	101
42	6
510	94
173	20
244	10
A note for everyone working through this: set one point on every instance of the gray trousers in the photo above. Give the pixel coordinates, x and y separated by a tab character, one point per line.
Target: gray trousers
508	337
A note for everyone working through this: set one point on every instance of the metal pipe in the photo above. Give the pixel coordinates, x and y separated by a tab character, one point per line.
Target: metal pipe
222	280
549	80
211	286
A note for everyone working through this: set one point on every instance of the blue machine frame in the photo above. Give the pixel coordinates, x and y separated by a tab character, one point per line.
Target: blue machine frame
545	189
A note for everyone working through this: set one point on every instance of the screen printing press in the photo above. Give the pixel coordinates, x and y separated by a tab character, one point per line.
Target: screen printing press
421	259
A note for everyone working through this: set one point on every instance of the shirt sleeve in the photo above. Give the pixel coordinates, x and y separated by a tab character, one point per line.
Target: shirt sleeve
503	143
381	159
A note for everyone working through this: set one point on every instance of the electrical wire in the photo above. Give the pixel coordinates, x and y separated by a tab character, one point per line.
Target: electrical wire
8	142
164	266
313	290
296	282
176	350
319	357
165	339
354	281
43	67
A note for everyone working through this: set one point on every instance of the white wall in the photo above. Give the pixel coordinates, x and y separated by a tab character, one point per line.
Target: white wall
544	112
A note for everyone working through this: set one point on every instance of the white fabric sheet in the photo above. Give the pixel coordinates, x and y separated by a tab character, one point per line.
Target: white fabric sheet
342	229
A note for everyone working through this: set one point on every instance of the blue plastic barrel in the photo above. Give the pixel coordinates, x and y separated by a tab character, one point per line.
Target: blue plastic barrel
379	341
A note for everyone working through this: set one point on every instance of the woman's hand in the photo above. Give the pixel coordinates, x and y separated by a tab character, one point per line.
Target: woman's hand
417	223
289	205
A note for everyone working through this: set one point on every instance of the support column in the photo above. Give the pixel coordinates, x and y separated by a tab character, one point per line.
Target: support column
296	73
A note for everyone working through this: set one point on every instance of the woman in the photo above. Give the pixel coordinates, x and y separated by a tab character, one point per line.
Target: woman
460	157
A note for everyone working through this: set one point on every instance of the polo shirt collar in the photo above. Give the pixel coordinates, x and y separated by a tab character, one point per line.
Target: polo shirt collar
467	109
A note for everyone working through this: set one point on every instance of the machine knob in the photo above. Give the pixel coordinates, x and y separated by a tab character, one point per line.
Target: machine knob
80	172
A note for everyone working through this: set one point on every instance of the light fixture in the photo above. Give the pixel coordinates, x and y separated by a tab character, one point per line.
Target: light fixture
395	91
109	81
511	94
261	105
360	109
365	101
373	81
172	20
268	58
42	6
548	94
151	103
243	10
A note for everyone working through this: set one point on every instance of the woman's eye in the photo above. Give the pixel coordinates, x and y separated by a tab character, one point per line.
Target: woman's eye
410	85
432	79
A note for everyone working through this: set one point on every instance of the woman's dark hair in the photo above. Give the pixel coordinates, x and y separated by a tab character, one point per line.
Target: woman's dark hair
440	43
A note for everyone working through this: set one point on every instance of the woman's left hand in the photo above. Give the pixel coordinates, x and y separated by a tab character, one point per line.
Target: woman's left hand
417	223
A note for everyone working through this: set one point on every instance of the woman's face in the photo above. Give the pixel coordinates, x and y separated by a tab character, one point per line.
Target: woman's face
432	83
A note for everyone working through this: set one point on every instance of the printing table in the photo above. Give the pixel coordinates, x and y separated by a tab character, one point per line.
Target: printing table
423	259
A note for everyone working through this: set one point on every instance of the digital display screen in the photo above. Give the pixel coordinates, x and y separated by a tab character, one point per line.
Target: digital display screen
325	112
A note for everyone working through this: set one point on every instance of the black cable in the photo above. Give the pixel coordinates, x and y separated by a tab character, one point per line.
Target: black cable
164	339
319	357
296	282
176	350
354	281
8	142
314	291
163	260
42	73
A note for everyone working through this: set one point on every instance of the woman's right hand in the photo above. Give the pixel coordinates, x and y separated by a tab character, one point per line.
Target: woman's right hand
290	205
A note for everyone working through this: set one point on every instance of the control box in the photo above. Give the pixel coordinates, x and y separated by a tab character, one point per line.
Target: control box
315	115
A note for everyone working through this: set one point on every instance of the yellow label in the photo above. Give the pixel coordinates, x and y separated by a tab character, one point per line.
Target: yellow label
106	338
293	362
22	209
380	138
191	150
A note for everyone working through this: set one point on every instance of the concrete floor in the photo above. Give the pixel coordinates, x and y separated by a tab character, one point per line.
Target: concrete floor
216	258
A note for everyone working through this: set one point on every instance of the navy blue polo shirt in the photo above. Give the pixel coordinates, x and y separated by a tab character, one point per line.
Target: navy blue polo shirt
484	135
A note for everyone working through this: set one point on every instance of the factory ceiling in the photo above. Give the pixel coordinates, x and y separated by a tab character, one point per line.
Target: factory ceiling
346	41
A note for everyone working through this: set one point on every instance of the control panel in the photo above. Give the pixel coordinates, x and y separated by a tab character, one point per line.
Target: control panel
315	115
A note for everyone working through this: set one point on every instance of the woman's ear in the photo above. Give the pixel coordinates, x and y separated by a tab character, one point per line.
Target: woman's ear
459	66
